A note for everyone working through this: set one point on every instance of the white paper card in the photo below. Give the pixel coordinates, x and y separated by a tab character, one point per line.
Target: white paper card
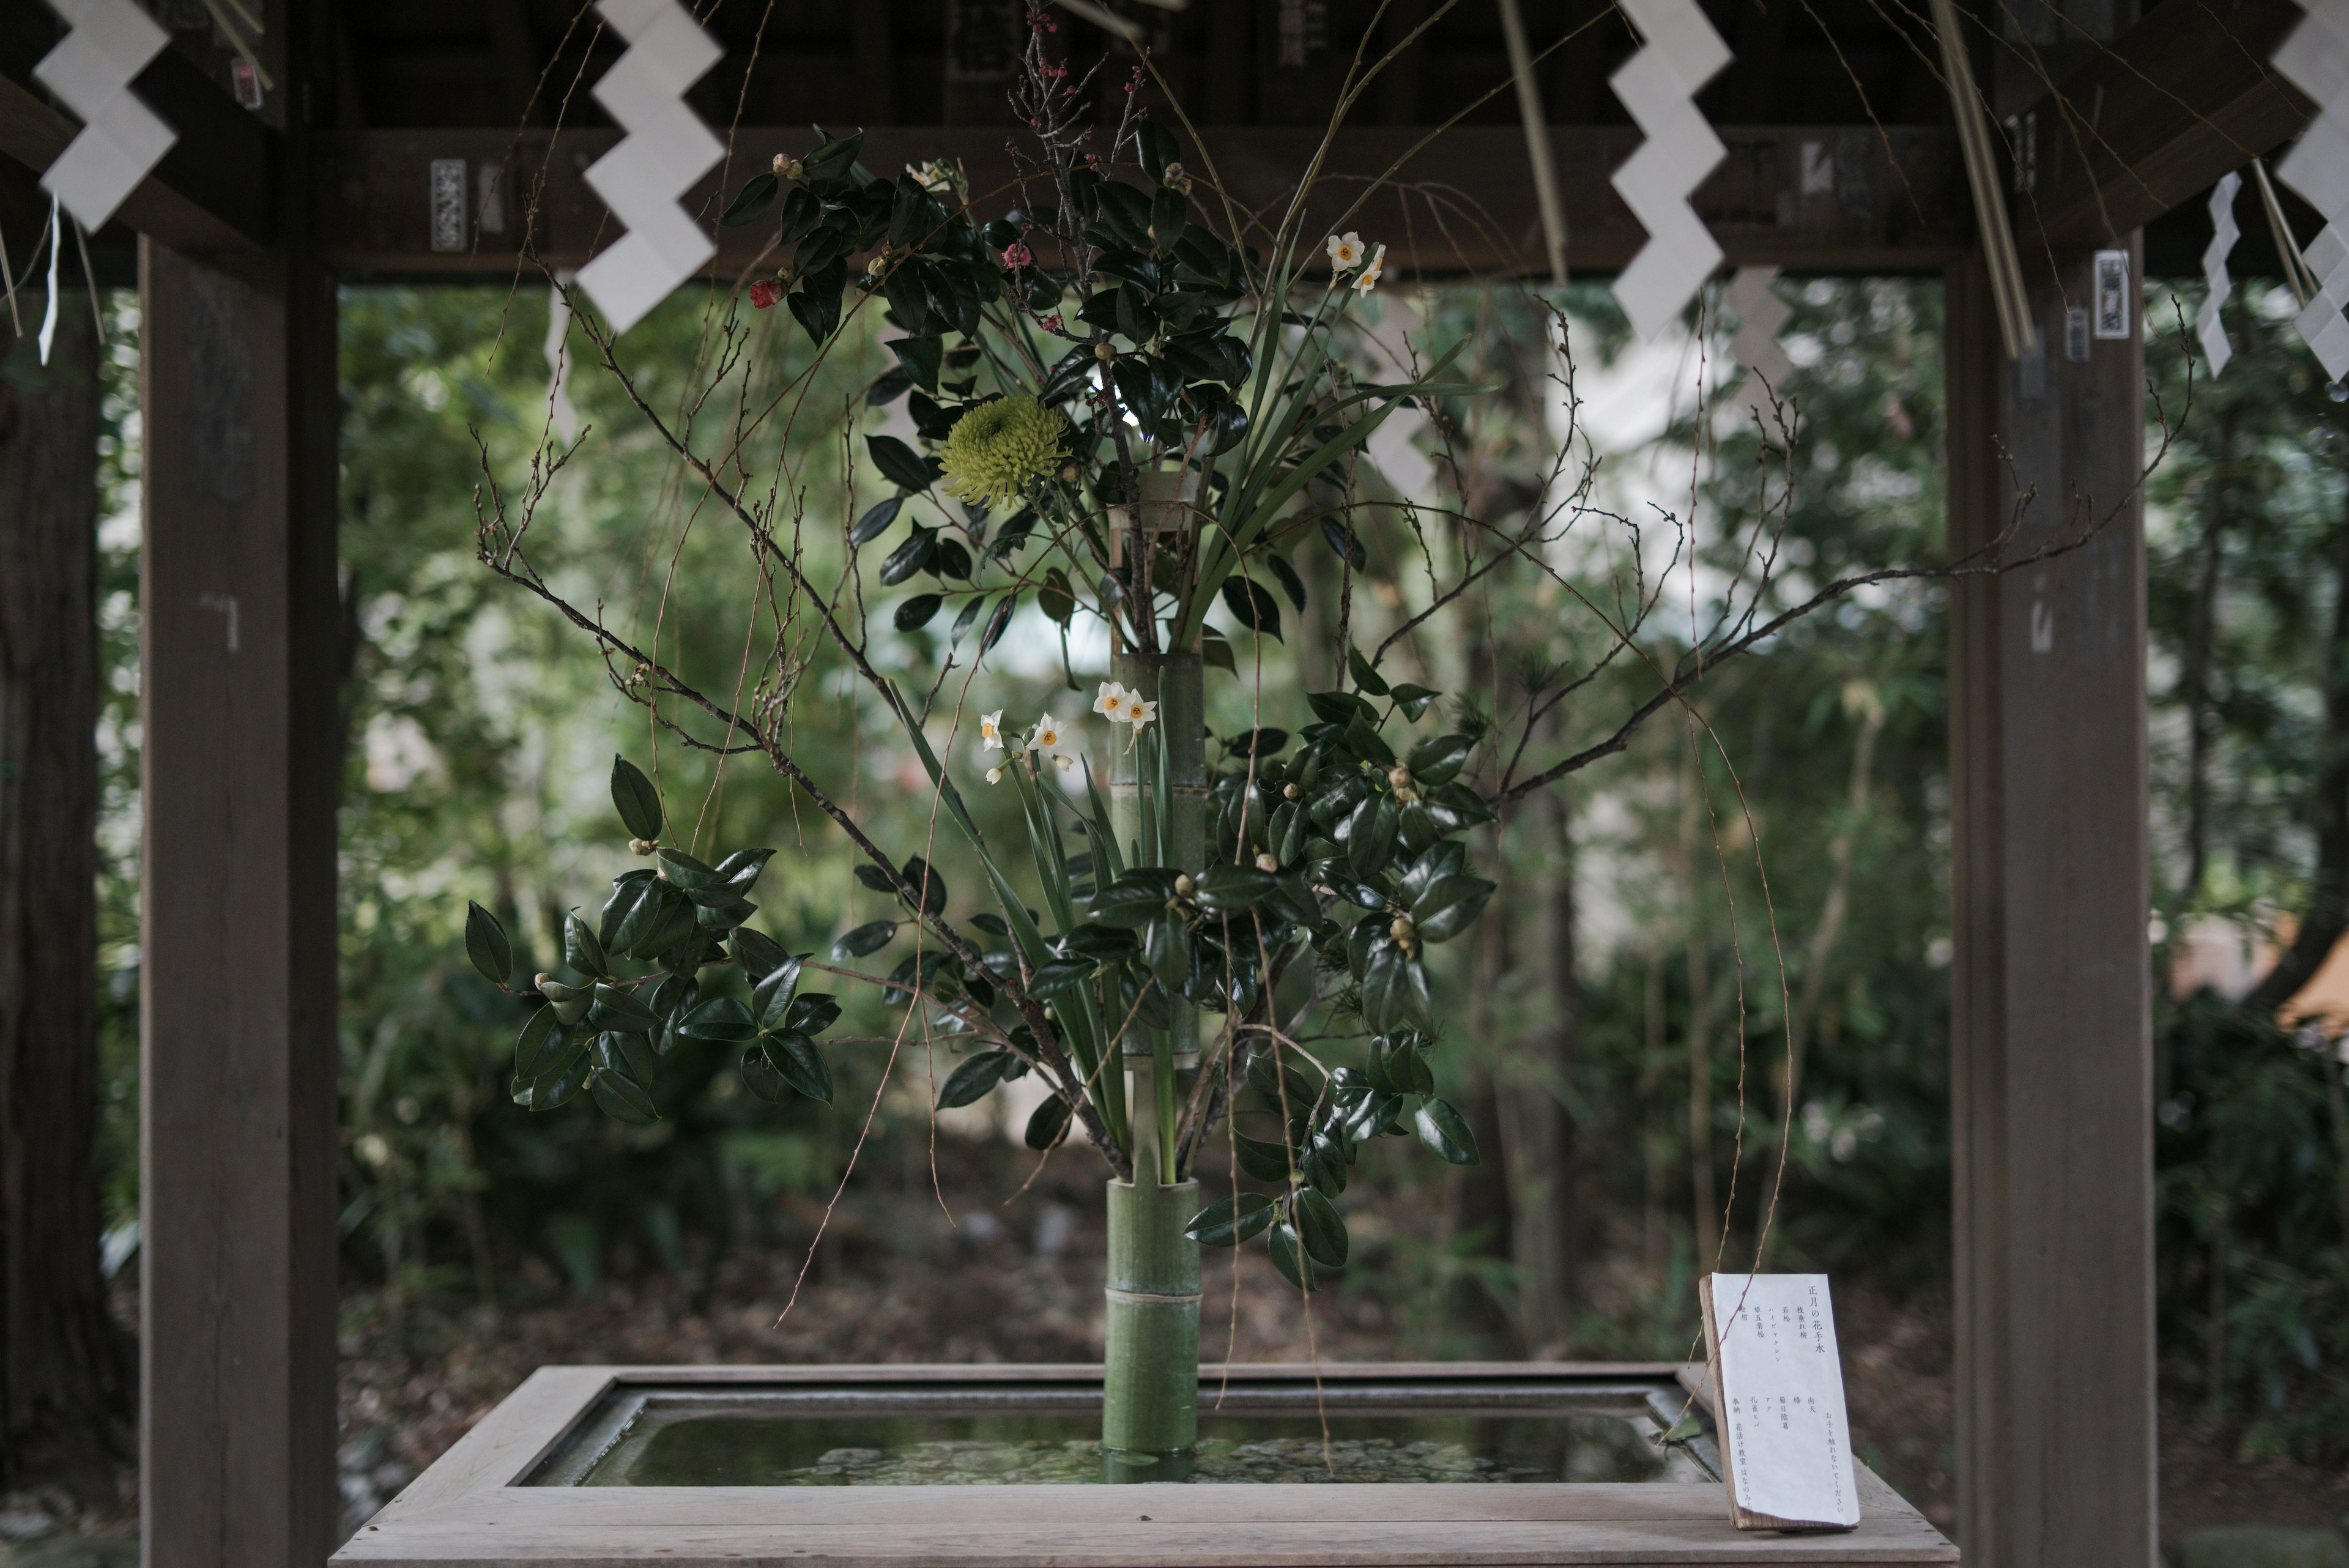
1786	1437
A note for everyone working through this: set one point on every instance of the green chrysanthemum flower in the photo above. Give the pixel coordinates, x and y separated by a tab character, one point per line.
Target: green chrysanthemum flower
998	449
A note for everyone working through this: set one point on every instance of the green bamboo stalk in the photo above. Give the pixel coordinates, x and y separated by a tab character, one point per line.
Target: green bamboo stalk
1149	1388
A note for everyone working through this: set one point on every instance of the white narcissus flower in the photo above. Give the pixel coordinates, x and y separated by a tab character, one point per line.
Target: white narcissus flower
990	732
1345	250
1066	764
1114	702
1140	713
1370	278
1045	735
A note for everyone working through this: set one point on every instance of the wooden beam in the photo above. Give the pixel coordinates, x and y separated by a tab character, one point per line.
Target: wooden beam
212	190
240	661
2180	100
1460	206
2052	1068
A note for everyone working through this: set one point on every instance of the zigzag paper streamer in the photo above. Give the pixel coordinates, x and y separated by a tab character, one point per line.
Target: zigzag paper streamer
2315	59
1761	316
2216	349
109	43
665	150
1659	86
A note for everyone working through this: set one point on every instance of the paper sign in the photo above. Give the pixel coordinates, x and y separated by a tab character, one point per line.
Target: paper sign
1778	1396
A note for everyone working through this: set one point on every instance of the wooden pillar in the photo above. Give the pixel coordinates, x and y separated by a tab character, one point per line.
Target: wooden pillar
240	668
2051	1076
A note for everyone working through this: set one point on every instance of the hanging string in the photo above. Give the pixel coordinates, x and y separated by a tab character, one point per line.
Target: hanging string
1537	148
2006	289
8	280
559	408
2296	274
89	277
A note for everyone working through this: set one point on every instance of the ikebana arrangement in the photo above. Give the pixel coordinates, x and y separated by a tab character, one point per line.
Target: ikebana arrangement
1131	414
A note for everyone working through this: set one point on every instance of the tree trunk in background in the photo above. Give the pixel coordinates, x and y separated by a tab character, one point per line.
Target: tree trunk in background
1536	1133
2201	646
63	1379
2328	898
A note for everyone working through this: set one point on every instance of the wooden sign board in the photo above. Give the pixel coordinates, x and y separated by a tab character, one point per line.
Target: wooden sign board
1777	1399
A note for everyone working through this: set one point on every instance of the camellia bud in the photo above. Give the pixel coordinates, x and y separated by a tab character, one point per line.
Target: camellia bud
1290	792
876	267
1405	933
788	167
1266	863
1398	780
641	846
1104	351
1185	887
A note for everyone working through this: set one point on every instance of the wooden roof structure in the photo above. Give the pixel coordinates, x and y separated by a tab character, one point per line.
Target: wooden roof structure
1842	159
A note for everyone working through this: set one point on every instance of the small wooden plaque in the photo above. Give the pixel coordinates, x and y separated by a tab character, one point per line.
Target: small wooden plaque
1777	1401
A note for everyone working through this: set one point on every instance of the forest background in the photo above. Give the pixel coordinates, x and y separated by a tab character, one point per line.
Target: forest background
1627	1075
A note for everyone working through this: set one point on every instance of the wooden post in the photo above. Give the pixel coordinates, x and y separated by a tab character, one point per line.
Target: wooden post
240	668
2051	1076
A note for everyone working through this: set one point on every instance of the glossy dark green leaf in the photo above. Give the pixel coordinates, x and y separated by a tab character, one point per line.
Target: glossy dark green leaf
917	612
873	877
795	1055
621	1010
581	950
799	216
1101	943
817	309
757	953
919	549
543	1042
1439	758
1451	905
1166	947
555	1088
759	1076
770	999
1368	679
928	884
812	1013
750	203
1445	1132
1252	605
1134	899
1048	1124
998	621
973	1079
1398	1066
876	521
962	622
1346	543
1289	1258
990	922
1229	1221
1394	986
688	874
624	1050
868	938
722	1019
1339	707
1265	1161
637	801
486	945
1371	835
622	1098
900	464
1413	700
1225	889
1321	1228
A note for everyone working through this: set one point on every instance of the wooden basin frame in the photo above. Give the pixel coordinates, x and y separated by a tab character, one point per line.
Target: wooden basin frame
476	1508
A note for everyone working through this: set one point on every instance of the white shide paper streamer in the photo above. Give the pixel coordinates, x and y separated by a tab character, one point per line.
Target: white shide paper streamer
665	150
1760	314
2315	59
1679	53
2216	349
107	44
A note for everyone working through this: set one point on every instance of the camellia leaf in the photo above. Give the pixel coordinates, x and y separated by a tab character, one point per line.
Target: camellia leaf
1368	679
757	953
1228	888
917	612
927	884
622	1098
542	1046
581	950
812	1013
1265	1161
1289	1258
973	1079
770	999
722	1019
486	945
638	802
1345	542
900	464
1048	1126
1252	605
759	1076
1229	1221
1285	575
876	519
1439	758
556	1089
1449	906
1321	1228
869	937
1413	700
750	204
795	1055
620	1012
1445	1132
